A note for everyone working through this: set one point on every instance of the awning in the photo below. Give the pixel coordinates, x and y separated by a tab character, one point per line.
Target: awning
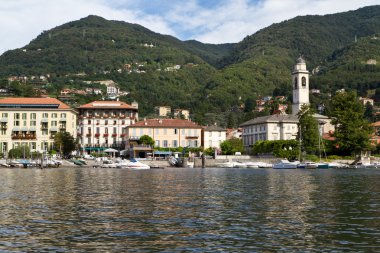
53	129
63	119
4	119
44	120
24	129
162	152
111	150
94	148
16	129
32	129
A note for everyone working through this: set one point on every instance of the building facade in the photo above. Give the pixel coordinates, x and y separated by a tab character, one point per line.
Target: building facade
162	111
167	133
213	136
34	122
300	77
273	127
102	124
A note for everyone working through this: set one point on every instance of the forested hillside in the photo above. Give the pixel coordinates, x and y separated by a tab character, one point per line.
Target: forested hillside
218	83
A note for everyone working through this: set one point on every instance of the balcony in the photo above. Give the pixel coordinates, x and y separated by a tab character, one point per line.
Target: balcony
114	135
24	137
191	137
88	135
105	135
97	135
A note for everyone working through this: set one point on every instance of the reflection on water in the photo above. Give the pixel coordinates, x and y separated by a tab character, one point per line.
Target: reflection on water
76	210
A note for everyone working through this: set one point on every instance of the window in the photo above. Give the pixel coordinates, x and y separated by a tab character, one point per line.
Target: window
4	115
23	116
175	131
33	116
210	143
165	131
98	130
45	115
165	143
33	146
175	143
63	115
44	132
141	131
303	81
54	115
210	133
16	123
220	134
157	131
114	122
114	130
183	131
295	83
89	122
157	143
16	115
106	130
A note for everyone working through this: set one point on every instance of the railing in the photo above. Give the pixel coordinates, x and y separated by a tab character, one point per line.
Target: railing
24	137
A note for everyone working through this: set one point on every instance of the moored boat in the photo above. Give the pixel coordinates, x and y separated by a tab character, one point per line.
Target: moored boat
285	164
132	164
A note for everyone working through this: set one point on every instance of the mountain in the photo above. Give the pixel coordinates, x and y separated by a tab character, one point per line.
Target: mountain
215	82
94	44
356	66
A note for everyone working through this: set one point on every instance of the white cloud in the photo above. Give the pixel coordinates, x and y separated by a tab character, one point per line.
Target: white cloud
227	21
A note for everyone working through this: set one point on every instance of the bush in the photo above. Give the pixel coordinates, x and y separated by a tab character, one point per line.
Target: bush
283	148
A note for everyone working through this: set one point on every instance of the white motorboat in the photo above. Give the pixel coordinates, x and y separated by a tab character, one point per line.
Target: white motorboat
108	164
132	164
307	165
364	165
231	165
252	165
285	164
258	165
225	165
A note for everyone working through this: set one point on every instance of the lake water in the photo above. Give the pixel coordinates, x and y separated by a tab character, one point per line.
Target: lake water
199	210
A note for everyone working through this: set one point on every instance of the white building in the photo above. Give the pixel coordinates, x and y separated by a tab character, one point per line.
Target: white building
102	124
300	77
213	136
273	127
285	127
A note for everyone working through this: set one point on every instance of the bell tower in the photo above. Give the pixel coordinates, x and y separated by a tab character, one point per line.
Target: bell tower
300	78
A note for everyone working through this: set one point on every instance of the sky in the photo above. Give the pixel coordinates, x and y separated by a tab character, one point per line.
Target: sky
208	21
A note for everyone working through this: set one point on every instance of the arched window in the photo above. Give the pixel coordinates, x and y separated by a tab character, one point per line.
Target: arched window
303	81
295	83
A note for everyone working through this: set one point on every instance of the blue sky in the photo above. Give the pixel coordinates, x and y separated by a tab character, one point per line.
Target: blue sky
209	21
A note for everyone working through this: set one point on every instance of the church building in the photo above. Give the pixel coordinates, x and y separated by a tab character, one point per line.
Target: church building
284	126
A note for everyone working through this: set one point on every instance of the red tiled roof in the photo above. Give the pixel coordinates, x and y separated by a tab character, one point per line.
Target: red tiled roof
376	124
34	101
107	105
168	123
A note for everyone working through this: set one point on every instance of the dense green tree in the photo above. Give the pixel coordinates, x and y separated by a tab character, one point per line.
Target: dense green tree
249	105
22	151
352	129
369	112
308	133
229	147
146	140
64	143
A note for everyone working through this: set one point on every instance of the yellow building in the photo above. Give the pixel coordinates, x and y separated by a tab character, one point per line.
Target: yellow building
167	133
162	111
34	122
